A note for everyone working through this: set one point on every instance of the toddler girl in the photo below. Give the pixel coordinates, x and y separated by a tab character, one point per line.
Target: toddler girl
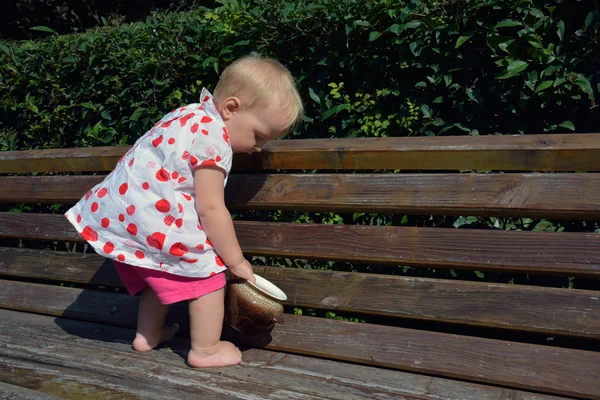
160	214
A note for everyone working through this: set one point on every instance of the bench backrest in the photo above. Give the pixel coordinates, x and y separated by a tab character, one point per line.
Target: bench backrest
536	176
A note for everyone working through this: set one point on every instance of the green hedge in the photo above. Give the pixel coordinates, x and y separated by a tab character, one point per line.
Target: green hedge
376	68
18	17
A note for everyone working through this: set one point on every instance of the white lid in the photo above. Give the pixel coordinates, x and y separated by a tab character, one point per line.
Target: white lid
268	288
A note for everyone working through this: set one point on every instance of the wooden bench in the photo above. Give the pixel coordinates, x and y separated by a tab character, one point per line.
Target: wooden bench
67	325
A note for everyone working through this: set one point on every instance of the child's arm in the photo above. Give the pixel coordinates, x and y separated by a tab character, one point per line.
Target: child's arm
216	220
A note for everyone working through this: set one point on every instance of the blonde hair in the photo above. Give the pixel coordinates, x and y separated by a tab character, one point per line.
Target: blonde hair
261	82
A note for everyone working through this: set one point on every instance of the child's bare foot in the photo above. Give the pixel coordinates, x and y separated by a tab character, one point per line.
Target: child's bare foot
219	355
145	342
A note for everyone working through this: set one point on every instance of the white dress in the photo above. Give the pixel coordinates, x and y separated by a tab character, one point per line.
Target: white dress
143	213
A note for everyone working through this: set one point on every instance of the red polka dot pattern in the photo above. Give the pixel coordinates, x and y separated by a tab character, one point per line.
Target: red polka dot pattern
108	247
163	206
131	202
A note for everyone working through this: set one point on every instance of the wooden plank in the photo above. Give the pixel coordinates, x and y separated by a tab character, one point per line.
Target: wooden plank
85	159
570	196
562	253
42	375
11	392
515	307
35	335
554	253
570	152
534	195
546	369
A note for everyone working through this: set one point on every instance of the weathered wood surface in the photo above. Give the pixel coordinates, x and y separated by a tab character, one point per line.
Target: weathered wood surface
552	370
565	152
12	392
563	253
85	159
528	195
515	307
95	346
571	196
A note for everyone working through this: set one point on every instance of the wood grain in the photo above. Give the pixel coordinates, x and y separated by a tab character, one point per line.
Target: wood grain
534	195
515	307
551	370
569	196
11	392
86	159
33	335
562	253
551	152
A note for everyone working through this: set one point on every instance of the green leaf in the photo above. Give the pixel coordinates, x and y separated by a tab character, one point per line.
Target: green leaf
568	125
536	13
561	30
542	86
415	47
106	115
412	24
471	95
462	127
396	28
360	22
356	216
5	49
335	110
314	96
507	23
241	43
558	82
514	68
43	29
544	226
374	36
592	19
136	114
586	86
438	99
462	40
426	110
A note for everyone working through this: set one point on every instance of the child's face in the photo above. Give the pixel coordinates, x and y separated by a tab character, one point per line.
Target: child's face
249	130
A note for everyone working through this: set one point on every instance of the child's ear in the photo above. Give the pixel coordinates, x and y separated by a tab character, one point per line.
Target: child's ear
230	106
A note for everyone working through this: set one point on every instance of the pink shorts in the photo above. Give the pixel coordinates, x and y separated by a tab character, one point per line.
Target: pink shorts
169	288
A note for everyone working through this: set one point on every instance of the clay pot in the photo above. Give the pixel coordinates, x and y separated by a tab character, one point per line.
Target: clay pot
253	309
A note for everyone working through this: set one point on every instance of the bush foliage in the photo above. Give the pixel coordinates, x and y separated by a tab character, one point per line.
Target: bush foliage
69	16
377	68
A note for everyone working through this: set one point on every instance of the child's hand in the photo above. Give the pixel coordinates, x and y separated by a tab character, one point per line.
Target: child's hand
244	271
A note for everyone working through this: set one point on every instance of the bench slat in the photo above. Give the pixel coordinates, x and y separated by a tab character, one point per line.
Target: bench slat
569	196
8	391
563	253
75	371
341	381
564	152
546	369
515	307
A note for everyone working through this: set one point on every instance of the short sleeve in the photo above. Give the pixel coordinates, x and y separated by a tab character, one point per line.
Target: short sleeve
211	145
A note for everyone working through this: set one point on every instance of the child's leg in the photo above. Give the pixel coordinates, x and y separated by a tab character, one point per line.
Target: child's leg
151	329
206	322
